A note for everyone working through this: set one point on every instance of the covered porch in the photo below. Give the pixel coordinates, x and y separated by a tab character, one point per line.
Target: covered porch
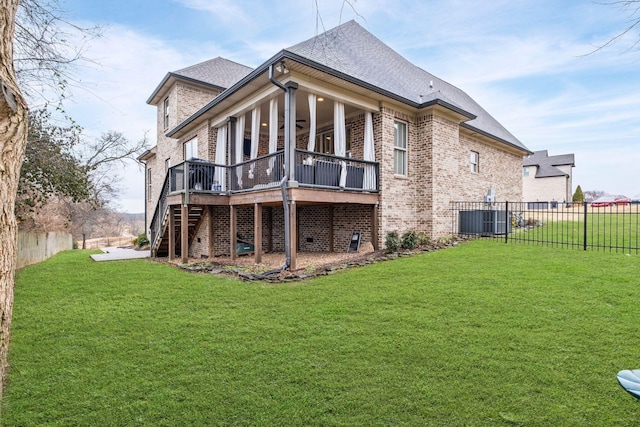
319	152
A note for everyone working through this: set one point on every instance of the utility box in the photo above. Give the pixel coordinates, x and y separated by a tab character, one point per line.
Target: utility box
484	222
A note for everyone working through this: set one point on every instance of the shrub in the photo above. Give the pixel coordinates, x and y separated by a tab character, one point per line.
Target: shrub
410	240
578	196
141	241
392	242
423	239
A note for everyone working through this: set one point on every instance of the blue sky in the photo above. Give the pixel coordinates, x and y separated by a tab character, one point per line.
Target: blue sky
526	62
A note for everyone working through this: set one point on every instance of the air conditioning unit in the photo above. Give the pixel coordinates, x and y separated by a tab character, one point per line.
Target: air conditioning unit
484	222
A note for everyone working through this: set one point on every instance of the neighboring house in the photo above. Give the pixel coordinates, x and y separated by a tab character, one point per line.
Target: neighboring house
336	134
547	179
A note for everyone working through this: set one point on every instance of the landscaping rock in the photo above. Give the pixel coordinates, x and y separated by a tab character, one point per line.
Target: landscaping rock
248	272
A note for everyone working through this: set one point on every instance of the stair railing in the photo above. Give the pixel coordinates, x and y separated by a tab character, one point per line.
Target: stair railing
161	209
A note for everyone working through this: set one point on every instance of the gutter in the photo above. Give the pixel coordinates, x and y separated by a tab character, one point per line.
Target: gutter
283	182
504	141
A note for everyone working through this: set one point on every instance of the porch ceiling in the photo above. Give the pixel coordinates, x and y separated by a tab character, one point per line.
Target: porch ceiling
216	110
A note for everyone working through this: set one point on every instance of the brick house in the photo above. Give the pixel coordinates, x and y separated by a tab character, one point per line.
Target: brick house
336	134
547	179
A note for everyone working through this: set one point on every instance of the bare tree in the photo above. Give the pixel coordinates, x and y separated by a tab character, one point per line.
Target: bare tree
13	138
631	8
49	169
47	46
591	195
33	31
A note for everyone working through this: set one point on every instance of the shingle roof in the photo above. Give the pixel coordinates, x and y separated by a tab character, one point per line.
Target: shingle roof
547	164
352	50
217	71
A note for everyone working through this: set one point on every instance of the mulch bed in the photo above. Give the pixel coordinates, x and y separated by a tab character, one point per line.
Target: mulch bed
310	264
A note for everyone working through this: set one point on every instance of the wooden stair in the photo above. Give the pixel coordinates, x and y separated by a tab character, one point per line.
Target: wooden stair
195	215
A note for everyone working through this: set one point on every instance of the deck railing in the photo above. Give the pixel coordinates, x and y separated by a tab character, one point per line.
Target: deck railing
325	170
256	174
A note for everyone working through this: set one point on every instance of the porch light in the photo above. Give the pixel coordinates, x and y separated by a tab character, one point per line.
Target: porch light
320	99
264	125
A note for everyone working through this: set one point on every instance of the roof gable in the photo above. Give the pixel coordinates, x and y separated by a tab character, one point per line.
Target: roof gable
351	53
352	50
547	165
217	71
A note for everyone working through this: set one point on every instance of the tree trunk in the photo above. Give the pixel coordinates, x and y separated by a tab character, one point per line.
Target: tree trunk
13	139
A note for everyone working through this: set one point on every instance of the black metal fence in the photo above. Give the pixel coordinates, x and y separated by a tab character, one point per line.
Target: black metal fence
614	228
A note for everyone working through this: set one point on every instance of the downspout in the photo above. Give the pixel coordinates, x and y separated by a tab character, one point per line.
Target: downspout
283	182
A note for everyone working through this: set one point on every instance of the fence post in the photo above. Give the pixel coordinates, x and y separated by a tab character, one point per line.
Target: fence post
585	226
506	222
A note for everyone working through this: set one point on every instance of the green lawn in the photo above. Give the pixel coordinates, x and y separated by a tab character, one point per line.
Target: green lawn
484	334
606	231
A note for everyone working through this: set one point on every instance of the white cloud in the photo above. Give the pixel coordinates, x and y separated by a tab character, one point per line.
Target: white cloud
112	92
520	60
230	11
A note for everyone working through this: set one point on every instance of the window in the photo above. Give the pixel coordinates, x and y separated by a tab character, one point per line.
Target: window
474	159
400	148
324	142
165	107
525	172
149	184
191	149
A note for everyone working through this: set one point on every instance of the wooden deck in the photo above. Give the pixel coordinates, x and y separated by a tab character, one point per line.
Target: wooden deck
273	196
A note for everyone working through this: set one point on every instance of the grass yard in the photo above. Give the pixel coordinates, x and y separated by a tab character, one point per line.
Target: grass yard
608	228
484	334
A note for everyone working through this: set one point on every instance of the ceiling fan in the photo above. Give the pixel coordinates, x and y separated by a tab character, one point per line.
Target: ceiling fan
297	125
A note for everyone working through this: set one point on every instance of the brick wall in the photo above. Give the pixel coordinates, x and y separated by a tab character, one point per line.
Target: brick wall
313	228
346	220
398	202
184	100
438	172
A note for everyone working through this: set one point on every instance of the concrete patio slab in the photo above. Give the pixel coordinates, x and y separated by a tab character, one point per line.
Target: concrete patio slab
116	254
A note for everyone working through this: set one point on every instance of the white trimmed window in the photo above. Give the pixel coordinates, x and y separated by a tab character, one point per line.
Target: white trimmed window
525	172
400	148
165	112
474	161
324	142
191	149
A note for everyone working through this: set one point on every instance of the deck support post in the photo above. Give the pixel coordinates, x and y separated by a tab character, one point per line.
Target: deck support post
374	228
233	212
290	129
257	232
293	234
184	233
171	232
